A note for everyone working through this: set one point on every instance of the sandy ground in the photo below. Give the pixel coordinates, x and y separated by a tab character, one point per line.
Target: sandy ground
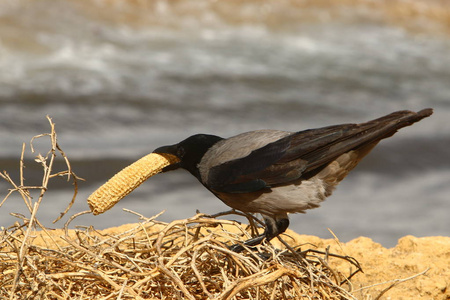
409	257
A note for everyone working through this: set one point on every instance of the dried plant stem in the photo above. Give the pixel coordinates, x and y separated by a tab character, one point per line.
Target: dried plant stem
23	248
47	165
257	279
393	282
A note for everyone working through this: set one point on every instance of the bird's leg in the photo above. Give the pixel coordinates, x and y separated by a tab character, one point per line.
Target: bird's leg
250	242
274	226
223	213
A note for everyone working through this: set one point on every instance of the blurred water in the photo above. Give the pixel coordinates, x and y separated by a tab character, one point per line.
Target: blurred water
120	79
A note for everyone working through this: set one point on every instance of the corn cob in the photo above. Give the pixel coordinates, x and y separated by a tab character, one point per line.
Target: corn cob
127	180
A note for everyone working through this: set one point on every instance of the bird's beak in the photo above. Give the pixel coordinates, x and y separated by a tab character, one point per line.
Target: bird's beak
171	149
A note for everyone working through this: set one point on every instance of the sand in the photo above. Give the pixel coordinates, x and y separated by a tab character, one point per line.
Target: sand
409	257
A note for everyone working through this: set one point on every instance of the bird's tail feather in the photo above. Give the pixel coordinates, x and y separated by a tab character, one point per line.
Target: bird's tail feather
387	125
353	149
361	136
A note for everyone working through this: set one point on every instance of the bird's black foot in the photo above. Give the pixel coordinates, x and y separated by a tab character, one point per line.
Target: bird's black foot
274	227
238	248
249	243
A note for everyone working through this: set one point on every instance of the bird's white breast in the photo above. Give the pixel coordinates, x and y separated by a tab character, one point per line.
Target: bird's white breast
293	198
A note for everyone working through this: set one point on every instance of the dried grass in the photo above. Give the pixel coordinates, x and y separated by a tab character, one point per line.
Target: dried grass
185	259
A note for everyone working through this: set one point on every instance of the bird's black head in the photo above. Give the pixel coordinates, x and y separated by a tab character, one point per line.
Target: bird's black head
190	152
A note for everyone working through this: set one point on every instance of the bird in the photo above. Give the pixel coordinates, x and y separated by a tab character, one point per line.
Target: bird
276	173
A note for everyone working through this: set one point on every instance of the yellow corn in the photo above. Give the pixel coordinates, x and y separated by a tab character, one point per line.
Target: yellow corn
127	180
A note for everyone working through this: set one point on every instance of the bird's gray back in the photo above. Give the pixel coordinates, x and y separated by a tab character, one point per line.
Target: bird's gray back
236	147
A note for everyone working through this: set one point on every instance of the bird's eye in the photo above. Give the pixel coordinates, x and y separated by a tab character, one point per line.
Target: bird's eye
180	152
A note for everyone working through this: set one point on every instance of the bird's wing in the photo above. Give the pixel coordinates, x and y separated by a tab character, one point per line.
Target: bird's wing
247	153
302	153
278	162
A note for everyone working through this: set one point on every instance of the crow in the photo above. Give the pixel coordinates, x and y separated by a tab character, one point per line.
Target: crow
275	172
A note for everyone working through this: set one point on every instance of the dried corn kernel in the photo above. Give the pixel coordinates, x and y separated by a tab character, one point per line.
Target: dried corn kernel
127	180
